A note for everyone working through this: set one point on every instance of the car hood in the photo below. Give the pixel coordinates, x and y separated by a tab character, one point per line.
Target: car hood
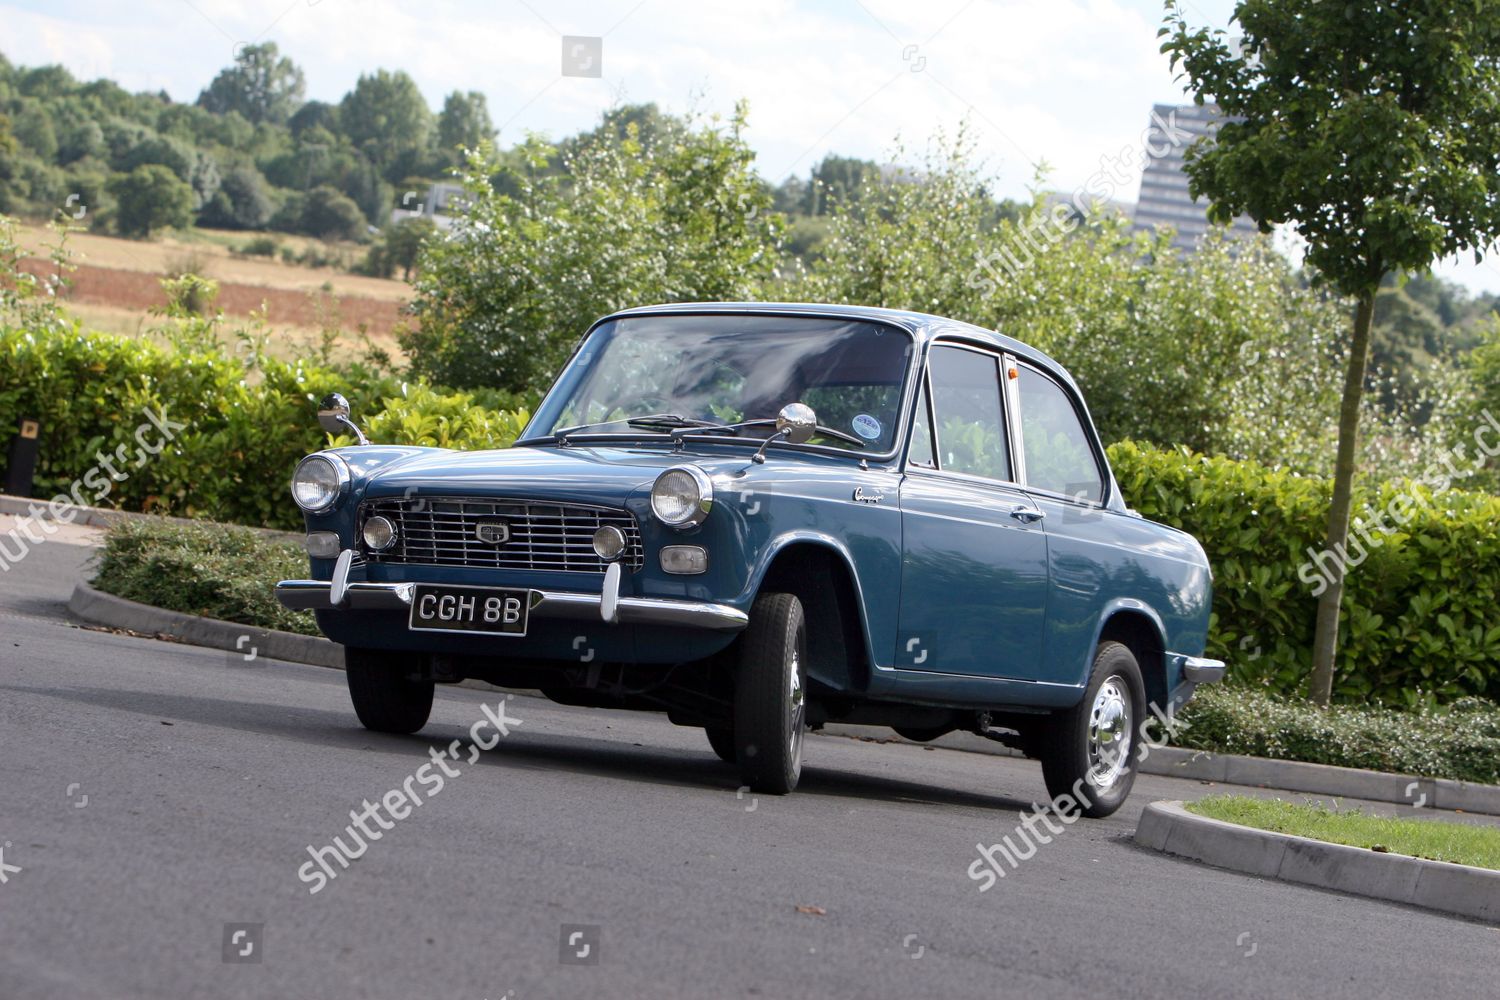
606	475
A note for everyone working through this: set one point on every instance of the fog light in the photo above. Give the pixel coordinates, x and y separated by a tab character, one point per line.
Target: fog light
379	533
684	560
323	544
609	542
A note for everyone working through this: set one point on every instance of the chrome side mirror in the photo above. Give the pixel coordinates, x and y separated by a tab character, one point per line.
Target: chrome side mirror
796	423
333	417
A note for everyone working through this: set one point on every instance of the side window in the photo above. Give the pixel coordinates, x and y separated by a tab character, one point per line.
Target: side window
970	424
921	452
1058	456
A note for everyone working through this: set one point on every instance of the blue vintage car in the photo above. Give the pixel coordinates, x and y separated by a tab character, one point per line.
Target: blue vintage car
763	518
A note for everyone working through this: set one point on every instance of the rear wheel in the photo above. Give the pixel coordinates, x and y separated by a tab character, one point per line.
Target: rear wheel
770	708
385	698
721	738
1088	751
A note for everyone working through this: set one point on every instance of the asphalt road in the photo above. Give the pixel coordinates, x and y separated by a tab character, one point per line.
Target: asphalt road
153	793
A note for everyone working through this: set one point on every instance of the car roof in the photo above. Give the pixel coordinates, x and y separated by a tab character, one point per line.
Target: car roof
924	326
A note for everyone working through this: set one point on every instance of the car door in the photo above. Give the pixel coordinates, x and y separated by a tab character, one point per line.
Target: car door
1065	479
974	561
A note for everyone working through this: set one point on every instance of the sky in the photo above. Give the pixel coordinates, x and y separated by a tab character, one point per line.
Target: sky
1068	83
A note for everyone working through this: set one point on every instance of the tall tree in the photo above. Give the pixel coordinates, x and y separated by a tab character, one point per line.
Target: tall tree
1373	128
262	85
385	115
464	121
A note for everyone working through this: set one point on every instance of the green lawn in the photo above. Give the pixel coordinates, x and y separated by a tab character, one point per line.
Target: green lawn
1465	845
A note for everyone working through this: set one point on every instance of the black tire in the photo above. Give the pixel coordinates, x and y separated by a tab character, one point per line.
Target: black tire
385	699
770	686
722	740
1078	754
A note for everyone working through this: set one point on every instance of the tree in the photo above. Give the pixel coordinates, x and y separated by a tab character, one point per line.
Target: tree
242	201
328	214
1373	128
261	85
149	198
404	240
526	269
464	122
386	116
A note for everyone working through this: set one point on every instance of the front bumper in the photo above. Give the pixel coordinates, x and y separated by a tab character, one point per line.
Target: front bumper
607	606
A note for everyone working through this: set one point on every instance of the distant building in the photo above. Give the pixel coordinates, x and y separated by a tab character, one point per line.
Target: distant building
437	203
1164	198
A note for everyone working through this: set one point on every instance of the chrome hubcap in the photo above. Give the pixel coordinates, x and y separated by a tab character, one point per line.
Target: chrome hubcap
797	708
1109	734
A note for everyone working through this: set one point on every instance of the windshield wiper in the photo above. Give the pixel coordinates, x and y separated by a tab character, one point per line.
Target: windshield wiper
651	420
704	427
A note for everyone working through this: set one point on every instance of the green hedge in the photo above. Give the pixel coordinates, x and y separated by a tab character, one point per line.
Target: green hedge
217	571
243	429
1460	741
1418	619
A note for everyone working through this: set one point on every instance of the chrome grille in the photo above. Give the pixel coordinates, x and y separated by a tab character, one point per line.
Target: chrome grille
440	531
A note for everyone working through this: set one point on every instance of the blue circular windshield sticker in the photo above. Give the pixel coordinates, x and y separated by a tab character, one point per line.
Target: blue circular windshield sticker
866	426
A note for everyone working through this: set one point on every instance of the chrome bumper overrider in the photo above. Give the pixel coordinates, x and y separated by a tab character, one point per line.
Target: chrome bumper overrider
1201	670
608	606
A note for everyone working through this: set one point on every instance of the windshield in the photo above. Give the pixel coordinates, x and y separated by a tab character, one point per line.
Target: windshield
681	371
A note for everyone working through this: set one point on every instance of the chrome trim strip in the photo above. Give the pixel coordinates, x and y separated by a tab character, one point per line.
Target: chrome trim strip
313	595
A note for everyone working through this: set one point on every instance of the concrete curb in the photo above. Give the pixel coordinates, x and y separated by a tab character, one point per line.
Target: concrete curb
1289	775
249	642
1434	885
103	517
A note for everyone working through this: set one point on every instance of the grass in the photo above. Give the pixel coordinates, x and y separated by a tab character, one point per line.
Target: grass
205	569
1461	844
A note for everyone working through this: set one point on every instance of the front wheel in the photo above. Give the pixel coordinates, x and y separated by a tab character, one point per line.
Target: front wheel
1088	751
721	738
770	708
385	698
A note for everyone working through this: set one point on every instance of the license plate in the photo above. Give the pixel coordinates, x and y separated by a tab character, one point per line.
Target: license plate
475	610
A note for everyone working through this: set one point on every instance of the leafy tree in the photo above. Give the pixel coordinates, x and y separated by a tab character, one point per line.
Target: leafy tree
331	215
33	128
523	274
1374	129
386	116
149	198
464	121
836	179
242	202
404	242
262	85
315	114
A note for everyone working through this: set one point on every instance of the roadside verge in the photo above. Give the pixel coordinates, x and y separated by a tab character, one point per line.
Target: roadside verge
1435	885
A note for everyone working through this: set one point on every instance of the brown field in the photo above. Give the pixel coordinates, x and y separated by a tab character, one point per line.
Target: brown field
118	283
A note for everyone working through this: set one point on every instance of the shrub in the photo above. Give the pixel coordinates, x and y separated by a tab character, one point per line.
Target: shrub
1418	620
1461	741
212	570
150	197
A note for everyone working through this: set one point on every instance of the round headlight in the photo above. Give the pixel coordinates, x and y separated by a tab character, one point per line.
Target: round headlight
682	496
379	533
320	483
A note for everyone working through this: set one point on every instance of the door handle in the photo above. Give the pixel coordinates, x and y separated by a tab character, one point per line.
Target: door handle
1025	514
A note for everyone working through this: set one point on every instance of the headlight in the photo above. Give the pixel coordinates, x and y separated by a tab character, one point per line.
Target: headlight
682	496
319	483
